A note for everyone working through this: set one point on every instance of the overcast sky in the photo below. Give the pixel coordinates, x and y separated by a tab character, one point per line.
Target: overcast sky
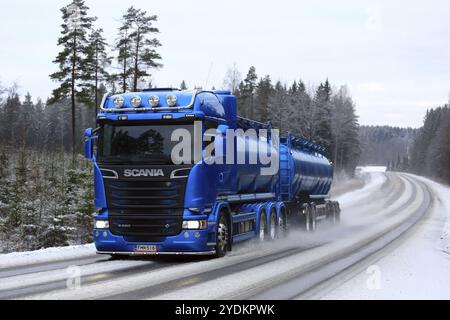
393	55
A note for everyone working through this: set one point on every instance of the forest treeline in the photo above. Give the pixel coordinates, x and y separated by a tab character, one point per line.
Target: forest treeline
430	153
386	146
424	151
322	114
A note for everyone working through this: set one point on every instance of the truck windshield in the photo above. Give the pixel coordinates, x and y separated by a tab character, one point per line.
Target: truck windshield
150	144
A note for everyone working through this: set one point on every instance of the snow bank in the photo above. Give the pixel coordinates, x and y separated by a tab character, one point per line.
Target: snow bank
46	255
371	169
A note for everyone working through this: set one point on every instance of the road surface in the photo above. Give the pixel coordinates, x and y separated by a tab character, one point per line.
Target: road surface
377	219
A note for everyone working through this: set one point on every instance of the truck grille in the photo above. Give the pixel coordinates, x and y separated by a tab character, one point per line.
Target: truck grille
145	208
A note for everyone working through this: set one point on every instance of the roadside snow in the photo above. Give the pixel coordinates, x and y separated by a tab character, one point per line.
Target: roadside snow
417	269
372	169
45	255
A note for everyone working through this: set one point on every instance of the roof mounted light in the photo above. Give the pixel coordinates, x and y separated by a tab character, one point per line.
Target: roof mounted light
154	101
171	100
136	101
119	102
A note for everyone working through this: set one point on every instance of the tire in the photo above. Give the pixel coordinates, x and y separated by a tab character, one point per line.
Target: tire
313	218
273	227
337	211
307	218
282	224
222	236
262	227
331	213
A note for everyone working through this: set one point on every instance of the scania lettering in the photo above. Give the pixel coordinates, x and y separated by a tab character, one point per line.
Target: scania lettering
143	173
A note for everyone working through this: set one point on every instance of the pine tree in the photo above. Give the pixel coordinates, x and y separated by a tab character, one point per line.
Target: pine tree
72	67
183	85
137	47
96	62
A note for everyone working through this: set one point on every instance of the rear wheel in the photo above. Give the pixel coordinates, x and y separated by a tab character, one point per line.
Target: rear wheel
262	226
313	218
273	226
282	223
307	217
330	212
222	238
337	212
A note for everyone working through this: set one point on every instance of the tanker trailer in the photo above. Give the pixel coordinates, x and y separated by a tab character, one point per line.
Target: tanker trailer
150	202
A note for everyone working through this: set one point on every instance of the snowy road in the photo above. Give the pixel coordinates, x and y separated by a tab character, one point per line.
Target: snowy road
385	220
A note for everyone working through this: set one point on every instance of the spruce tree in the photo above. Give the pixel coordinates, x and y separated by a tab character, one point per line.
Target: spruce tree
264	93
247	89
71	60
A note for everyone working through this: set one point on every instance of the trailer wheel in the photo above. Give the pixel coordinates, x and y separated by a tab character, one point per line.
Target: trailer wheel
273	228
331	212
223	236
282	223
262	226
337	212
307	217
313	218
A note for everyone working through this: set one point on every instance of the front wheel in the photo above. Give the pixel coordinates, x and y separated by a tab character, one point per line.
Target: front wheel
222	237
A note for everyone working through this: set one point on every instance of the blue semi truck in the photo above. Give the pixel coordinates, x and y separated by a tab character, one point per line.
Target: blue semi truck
149	202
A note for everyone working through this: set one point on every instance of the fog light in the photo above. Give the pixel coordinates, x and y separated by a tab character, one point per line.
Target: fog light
154	101
119	102
171	100
97	234
197	234
136	101
105	234
186	234
195	224
101	224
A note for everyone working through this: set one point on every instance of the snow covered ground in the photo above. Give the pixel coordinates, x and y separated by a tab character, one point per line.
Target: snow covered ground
418	268
17	259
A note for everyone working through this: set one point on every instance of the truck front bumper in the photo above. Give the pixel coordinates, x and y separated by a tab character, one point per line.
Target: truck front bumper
188	242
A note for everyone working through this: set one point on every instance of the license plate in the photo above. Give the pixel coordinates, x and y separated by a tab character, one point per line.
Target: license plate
145	248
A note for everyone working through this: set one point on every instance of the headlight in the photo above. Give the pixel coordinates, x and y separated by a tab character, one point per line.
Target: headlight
136	101
119	102
171	100
195	224
154	101
101	224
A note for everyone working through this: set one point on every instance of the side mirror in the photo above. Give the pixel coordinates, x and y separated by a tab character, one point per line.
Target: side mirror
88	145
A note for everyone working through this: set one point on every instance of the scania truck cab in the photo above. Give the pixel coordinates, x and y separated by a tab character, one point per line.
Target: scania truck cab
156	193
